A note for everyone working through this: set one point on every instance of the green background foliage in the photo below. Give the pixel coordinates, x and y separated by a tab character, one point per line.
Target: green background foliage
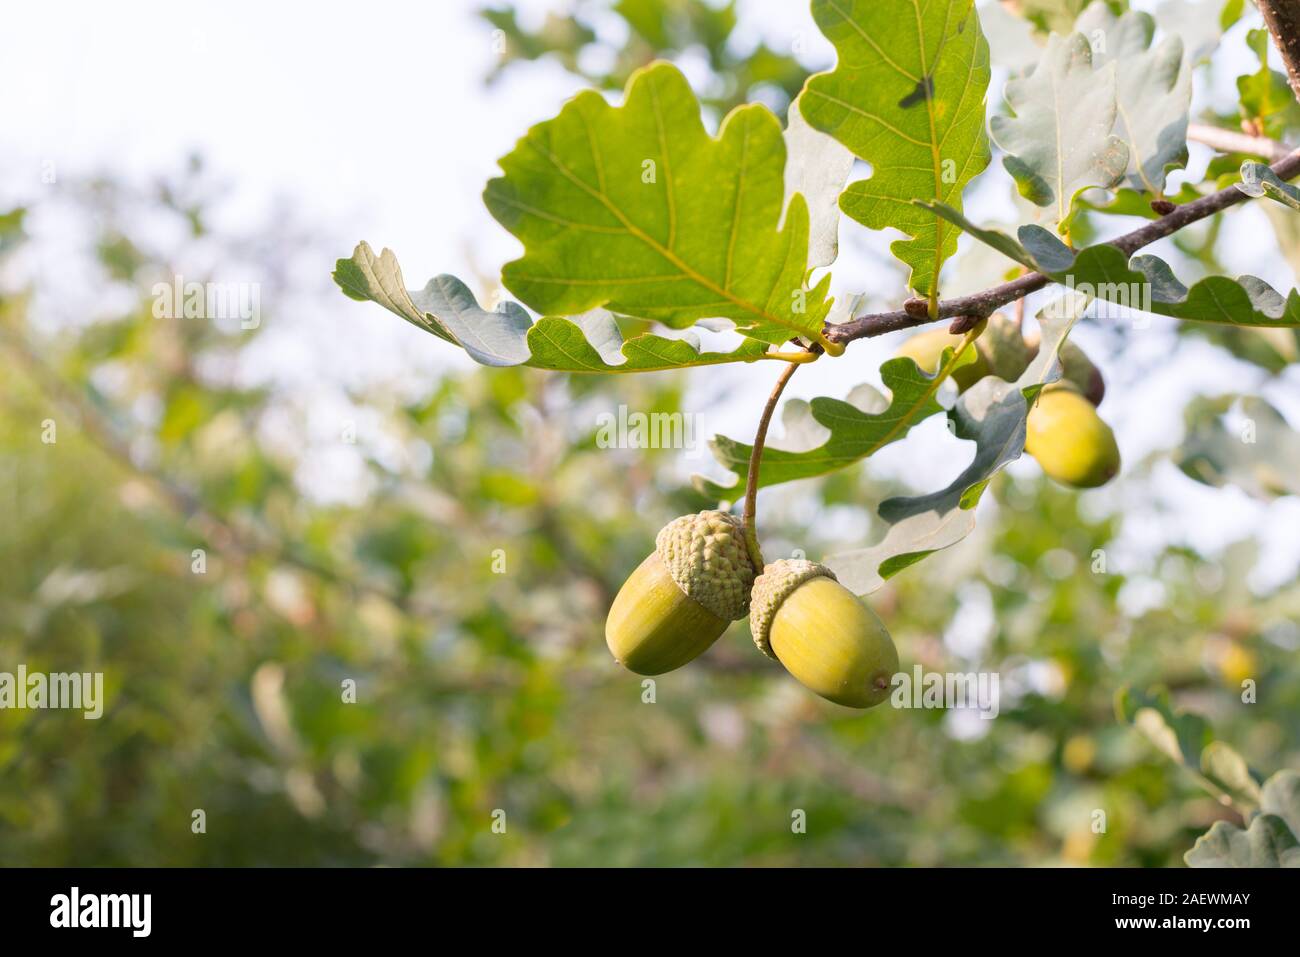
483	686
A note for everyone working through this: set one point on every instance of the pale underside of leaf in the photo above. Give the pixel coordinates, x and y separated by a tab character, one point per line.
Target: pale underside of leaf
1153	91
992	413
1213	453
1144	283
908	95
1259	180
816	167
1059	141
507	336
853	430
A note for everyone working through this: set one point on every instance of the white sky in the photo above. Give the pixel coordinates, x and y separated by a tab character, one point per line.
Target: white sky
373	119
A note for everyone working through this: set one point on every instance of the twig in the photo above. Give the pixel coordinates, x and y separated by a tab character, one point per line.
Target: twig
1230	141
755	459
1282	17
985	303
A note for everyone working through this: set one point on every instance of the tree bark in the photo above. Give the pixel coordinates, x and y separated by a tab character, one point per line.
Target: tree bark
1283	20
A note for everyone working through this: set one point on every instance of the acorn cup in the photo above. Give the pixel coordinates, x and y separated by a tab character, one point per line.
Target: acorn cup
682	597
822	633
1069	439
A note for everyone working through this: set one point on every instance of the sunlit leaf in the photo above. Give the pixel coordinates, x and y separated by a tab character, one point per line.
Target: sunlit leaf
637	209
908	96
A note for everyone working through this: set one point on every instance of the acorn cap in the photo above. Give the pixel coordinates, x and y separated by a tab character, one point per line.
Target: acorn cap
707	558
777	583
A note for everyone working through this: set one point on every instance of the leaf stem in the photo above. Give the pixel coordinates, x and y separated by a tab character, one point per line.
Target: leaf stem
795	358
756	459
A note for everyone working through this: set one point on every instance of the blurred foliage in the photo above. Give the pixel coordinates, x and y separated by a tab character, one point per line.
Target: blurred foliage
646	30
463	589
478	690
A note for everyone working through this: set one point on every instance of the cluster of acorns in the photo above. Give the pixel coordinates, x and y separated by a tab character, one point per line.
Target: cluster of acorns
700	577
1064	432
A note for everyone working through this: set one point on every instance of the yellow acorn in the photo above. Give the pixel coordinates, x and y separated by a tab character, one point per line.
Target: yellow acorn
1070	440
822	633
683	596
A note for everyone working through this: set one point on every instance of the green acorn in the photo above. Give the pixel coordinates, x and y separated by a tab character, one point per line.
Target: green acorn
824	635
1069	439
683	596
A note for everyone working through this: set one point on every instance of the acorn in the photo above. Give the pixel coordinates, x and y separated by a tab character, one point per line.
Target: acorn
683	596
822	633
1069	439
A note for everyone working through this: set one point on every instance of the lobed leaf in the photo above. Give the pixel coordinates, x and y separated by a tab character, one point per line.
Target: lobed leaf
829	434
1145	283
507	336
908	96
1059	140
1258	180
1270	840
1153	91
636	208
992	413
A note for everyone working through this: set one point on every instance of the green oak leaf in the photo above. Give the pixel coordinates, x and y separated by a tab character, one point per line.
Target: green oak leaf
636	208
1261	456
1059	142
908	96
843	431
992	413
1153	91
507	336
1271	840
1259	180
1146	283
1268	842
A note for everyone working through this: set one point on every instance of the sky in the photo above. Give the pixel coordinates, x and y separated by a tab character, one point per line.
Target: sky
373	120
